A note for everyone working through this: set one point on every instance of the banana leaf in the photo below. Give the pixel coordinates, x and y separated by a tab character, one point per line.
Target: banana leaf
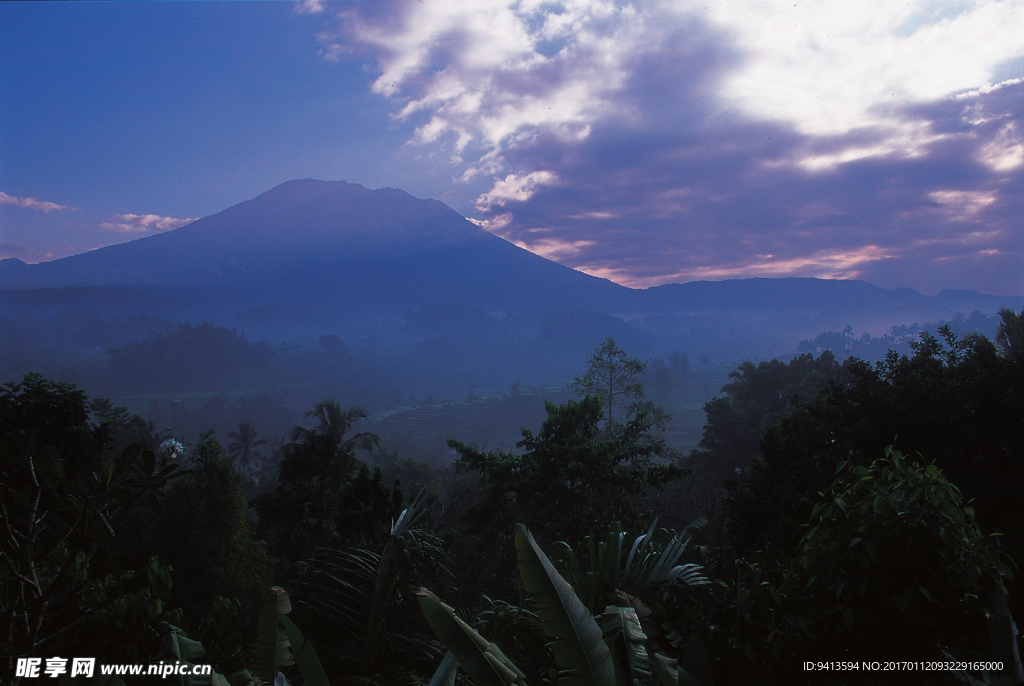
578	642
481	659
626	638
445	674
309	664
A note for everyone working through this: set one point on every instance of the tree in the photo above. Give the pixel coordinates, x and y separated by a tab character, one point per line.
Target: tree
755	398
204	529
570	480
302	512
958	402
615	378
57	413
190	357
679	364
606	650
367	508
63	498
332	346
243	450
300	515
895	557
1010	334
335	422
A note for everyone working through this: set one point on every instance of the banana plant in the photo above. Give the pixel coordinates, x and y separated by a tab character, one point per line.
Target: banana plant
353	599
279	643
612	653
649	563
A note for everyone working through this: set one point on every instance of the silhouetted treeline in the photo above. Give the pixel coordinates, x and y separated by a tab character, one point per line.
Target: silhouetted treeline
190	357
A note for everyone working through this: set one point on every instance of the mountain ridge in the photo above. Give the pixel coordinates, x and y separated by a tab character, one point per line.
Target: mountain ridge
334	247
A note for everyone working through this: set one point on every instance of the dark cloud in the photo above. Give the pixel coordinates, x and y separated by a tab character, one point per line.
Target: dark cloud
664	199
614	140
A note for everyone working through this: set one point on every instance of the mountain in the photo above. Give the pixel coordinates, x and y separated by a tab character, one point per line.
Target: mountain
305	227
315	252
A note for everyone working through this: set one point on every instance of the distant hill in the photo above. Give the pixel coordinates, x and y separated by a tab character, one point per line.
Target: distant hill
312	252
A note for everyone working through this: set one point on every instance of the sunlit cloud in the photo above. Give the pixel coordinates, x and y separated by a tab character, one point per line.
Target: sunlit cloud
827	264
493	224
514	188
554	248
493	73
963	205
142	223
1006	151
828	68
34	204
681	140
498	71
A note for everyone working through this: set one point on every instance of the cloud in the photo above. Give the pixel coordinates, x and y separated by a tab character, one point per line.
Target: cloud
34	204
824	264
309	6
514	188
963	205
142	223
828	68
682	140
1005	152
490	74
30	256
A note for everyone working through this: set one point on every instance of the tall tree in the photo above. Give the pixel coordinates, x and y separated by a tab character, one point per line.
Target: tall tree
244	449
613	377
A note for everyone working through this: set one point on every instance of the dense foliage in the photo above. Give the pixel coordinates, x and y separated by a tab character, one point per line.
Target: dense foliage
571	480
855	512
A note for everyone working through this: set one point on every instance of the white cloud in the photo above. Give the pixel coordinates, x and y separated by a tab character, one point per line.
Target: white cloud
962	206
514	188
309	6
495	73
494	224
1005	152
829	67
34	204
141	223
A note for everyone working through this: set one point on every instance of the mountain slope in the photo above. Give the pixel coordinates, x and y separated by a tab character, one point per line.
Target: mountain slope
314	251
330	241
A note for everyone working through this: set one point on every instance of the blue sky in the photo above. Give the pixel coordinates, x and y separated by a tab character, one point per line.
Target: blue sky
648	142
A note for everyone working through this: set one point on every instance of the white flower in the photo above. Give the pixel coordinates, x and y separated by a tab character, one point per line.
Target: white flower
172	449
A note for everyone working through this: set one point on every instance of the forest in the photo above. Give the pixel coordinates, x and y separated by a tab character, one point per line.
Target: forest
834	515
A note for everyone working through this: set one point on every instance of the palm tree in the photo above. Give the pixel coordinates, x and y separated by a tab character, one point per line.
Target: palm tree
336	422
243	449
1010	334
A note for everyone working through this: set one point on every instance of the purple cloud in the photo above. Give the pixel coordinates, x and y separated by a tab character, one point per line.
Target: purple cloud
143	223
34	204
